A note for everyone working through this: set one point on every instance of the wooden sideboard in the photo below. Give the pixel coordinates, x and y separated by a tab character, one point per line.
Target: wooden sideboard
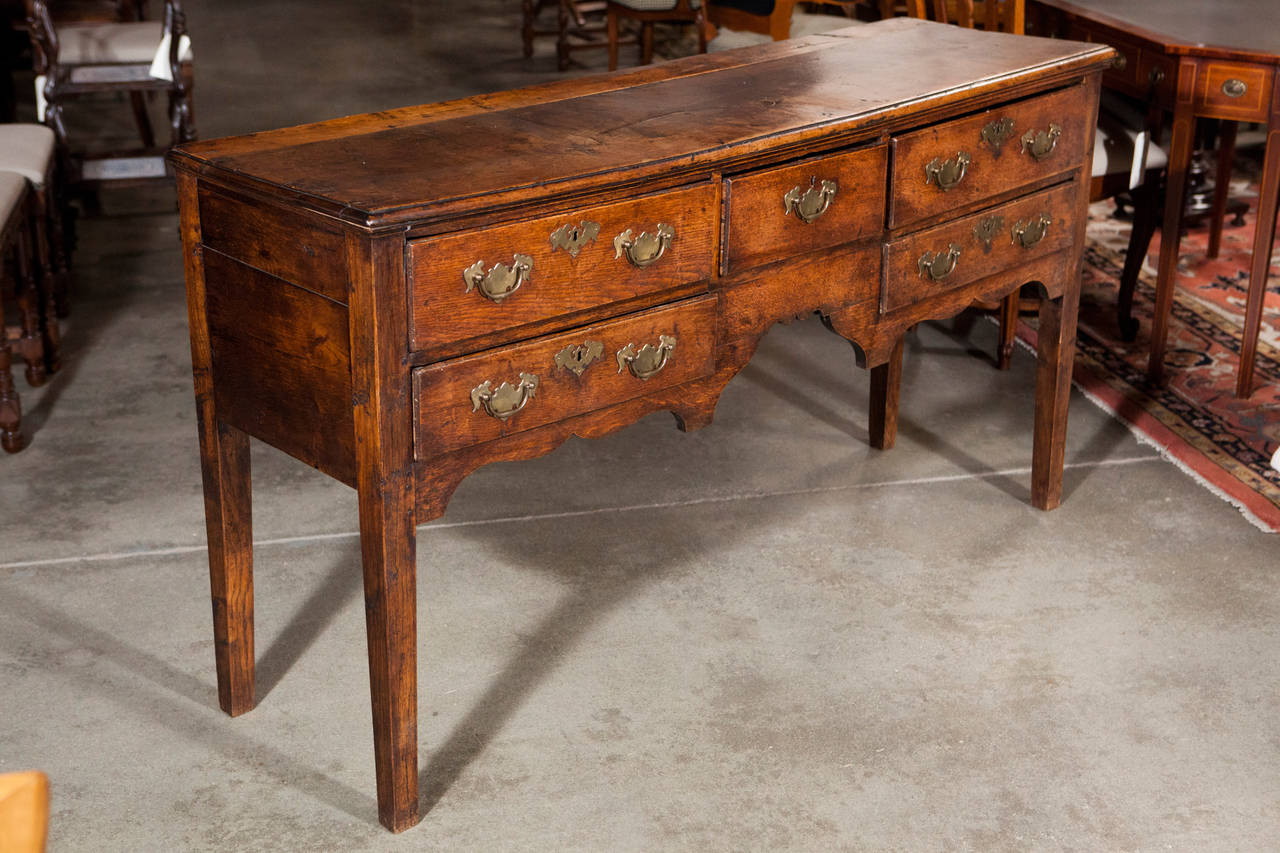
400	297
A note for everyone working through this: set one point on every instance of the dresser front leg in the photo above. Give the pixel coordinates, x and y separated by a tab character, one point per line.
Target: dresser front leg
388	546
224	463
1055	356
886	380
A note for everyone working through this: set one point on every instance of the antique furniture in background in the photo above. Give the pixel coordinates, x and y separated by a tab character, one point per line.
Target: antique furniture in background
581	19
1197	61
29	150
647	12
396	305
768	17
13	236
73	60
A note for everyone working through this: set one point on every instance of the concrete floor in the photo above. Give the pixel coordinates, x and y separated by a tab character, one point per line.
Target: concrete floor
761	636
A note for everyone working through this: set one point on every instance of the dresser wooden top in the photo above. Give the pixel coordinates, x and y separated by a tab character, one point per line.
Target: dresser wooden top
695	114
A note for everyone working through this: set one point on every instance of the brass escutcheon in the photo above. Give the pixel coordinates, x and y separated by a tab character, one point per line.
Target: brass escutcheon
573	238
647	248
1027	234
576	359
1040	144
987	229
1234	88
947	173
812	202
940	265
501	281
507	399
997	133
649	361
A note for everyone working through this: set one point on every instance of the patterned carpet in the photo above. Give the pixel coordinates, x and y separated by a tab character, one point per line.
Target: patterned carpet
1196	420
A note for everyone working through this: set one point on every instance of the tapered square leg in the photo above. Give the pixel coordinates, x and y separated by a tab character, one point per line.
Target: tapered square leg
1055	357
224	460
886	380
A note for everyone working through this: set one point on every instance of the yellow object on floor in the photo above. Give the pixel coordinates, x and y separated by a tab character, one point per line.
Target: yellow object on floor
24	812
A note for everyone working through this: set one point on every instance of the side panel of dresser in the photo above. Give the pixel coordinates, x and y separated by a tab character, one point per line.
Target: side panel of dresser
275	303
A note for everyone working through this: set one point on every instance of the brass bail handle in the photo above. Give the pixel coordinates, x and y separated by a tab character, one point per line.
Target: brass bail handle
1040	143
649	361
809	203
1027	234
506	399
501	281
645	249
949	172
939	265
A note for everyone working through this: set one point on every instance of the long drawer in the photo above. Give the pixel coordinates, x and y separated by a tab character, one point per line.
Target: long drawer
503	278
506	391
964	161
957	253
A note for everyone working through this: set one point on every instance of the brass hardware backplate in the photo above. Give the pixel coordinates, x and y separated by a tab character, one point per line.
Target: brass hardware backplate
997	133
938	266
1040	144
987	229
649	360
810	203
947	173
501	281
576	359
574	238
1028	233
645	249
1234	88
506	399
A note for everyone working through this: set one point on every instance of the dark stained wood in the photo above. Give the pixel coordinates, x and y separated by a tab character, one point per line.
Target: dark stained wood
12	223
886	383
281	365
224	466
709	145
763	229
316	262
447	418
559	286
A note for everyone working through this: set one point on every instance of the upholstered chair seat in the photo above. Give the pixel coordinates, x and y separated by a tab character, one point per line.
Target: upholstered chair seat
27	149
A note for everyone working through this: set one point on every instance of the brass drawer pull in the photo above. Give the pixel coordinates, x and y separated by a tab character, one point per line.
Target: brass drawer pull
1234	88
987	229
1120	63
810	204
501	281
574	238
1027	234
647	248
649	361
947	173
997	133
1040	144
576	359
940	265
507	400
1156	76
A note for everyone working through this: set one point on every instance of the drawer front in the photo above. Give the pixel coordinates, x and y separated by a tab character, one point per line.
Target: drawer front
502	392
1233	91
964	161
500	279
799	208
970	249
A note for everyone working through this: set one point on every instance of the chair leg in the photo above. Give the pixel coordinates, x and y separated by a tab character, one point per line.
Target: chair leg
646	42
10	406
1008	329
50	232
562	40
51	341
528	11
31	342
611	24
1226	154
1145	212
142	120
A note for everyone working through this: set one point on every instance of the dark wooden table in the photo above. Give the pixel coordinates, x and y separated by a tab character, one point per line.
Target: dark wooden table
401	297
1197	60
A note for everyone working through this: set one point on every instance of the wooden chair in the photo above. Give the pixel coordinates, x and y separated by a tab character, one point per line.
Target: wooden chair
135	57
581	19
647	12
768	17
29	150
24	812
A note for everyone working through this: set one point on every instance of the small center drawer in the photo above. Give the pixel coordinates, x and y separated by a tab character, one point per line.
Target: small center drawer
498	280
1230	91
486	396
949	256
960	162
794	209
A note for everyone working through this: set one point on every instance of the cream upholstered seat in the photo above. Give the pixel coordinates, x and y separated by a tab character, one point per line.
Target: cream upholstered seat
28	150
132	43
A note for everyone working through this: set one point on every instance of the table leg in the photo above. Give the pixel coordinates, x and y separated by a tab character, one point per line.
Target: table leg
886	380
224	464
1183	132
1055	356
1222	185
1263	240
